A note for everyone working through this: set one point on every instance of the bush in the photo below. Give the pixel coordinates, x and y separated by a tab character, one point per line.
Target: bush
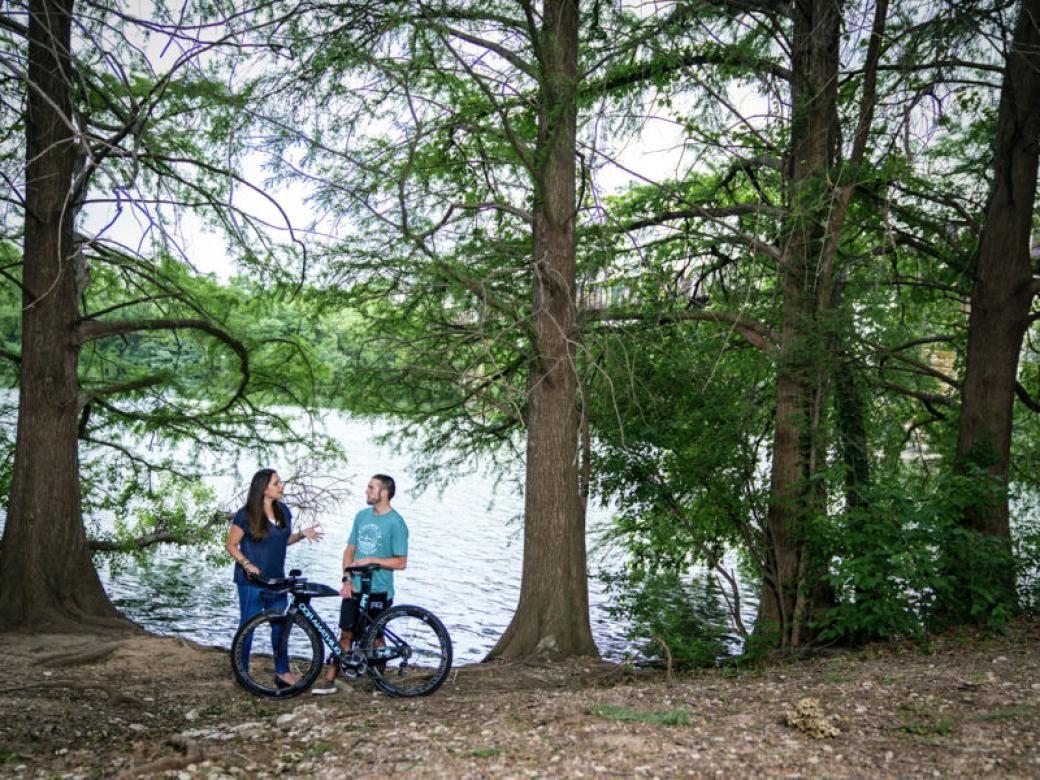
684	613
907	565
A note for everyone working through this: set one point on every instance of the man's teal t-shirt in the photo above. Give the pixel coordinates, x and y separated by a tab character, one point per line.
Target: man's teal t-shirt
379	536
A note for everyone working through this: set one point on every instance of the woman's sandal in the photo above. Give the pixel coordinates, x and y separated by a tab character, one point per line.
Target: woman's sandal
281	684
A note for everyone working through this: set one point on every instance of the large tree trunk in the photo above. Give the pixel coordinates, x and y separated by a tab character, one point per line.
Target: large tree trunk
793	580
553	614
1004	287
47	576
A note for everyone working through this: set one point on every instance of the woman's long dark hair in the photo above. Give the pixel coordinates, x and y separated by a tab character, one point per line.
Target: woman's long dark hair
258	525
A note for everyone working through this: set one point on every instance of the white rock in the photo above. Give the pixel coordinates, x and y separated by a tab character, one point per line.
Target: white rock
248	725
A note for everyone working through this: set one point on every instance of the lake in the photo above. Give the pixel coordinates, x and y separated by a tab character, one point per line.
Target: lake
464	561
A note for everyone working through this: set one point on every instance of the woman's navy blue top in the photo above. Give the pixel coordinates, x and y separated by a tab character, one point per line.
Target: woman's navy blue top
268	554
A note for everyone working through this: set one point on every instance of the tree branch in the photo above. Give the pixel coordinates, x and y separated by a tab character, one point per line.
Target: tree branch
1023	395
124	387
139	543
491	46
93	330
754	332
7	23
928	399
527	216
718	212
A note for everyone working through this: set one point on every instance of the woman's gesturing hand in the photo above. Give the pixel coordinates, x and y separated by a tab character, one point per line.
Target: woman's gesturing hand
312	533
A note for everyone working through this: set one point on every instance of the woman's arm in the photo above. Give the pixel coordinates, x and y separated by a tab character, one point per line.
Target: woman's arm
234	539
312	533
348	560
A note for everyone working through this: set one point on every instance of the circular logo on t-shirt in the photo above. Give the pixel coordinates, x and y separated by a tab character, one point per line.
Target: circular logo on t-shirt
368	539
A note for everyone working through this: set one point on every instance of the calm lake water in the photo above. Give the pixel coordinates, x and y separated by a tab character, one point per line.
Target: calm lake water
464	561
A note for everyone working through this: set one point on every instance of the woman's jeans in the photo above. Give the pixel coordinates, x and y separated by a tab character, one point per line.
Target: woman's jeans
252	601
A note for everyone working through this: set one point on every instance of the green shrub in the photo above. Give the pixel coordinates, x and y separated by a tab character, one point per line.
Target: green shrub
908	566
684	613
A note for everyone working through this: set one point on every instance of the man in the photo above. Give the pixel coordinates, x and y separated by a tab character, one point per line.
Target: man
379	535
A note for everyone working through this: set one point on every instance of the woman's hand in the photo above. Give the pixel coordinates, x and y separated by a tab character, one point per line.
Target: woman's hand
251	569
347	591
312	533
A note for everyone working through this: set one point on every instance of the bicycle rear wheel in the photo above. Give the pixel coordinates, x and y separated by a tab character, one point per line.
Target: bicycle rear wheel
408	651
271	634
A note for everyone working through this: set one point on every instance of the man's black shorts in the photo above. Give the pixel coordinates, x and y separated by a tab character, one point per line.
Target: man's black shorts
349	609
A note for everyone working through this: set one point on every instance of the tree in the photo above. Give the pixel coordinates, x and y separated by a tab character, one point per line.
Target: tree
47	572
793	224
466	204
98	120
1004	285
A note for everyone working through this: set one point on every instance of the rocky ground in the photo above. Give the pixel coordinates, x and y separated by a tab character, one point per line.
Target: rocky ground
132	706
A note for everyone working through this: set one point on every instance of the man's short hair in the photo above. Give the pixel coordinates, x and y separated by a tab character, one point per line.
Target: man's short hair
388	484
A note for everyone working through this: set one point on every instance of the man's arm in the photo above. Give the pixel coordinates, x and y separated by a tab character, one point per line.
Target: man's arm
397	562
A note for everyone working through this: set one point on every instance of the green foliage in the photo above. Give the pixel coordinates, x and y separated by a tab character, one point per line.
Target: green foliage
940	727
186	512
909	566
1012	712
621	714
683	613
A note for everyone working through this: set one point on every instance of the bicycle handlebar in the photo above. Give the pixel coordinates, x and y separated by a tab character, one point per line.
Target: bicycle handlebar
363	568
294	580
274	583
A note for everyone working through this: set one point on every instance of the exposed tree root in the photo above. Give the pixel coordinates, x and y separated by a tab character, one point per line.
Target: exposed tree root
114	695
79	657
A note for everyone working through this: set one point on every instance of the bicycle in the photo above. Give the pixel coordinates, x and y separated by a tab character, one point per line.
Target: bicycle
406	650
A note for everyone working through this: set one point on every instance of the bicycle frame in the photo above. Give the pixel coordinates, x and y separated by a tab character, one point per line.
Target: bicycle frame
348	659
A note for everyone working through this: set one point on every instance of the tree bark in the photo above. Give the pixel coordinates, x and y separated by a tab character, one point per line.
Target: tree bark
47	577
1003	288
792	586
552	617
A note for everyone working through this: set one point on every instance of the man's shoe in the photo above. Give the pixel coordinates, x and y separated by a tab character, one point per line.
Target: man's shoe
324	688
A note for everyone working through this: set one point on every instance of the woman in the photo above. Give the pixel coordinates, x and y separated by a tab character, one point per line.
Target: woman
259	534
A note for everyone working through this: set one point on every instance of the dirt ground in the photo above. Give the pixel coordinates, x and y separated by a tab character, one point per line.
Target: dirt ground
133	706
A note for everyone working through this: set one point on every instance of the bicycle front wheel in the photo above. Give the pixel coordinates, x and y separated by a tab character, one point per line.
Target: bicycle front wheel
271	642
408	651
